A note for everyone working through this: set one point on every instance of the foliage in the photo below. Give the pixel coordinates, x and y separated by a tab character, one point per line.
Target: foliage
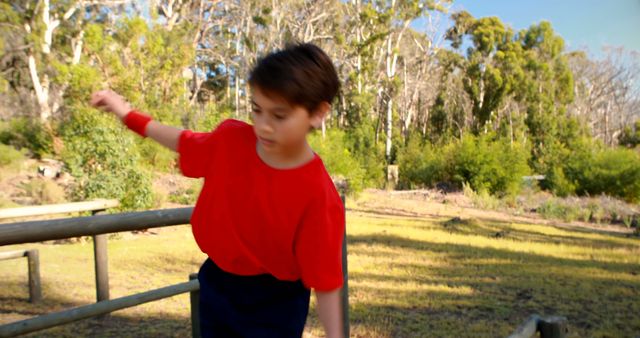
337	158
630	137
456	112
104	160
420	165
488	165
482	200
10	157
29	134
187	196
558	209
44	191
360	140
615	172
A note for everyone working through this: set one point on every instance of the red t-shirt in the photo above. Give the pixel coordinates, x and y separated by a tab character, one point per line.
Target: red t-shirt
253	219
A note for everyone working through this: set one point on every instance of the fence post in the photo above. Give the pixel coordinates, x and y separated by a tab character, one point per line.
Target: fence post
345	275
195	309
553	327
35	287
101	263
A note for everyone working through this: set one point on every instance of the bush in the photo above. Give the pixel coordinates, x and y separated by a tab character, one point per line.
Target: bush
25	133
482	200
104	160
157	156
602	209
44	192
10	157
487	165
369	154
338	159
557	209
614	172
420	165
494	166
187	196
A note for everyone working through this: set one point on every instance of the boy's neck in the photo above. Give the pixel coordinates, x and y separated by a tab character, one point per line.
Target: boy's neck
289	160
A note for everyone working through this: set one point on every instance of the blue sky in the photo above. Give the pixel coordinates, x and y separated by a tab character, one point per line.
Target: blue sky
583	24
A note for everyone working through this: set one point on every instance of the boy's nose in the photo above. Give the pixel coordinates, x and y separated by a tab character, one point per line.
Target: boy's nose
263	125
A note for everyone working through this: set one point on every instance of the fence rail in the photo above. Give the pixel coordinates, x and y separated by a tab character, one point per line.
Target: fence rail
33	261
53	209
93	310
38	231
548	327
98	226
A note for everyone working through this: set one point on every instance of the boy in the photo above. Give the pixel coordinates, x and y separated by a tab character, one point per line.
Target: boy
268	216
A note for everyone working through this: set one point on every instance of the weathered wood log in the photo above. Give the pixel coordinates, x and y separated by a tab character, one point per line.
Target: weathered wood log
53	209
38	231
92	310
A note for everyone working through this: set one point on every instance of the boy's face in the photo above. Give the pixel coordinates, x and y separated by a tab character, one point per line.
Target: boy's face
281	128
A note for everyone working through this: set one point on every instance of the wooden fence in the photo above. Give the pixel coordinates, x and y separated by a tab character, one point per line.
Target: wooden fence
100	225
33	261
547	327
99	241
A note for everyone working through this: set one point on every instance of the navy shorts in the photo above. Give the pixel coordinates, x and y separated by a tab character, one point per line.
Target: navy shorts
250	306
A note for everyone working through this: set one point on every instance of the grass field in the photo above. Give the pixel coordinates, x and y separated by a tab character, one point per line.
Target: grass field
415	271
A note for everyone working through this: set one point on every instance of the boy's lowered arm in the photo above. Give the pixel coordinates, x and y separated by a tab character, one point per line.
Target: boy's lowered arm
110	101
330	313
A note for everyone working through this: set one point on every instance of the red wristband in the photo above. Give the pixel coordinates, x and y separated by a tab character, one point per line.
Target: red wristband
137	122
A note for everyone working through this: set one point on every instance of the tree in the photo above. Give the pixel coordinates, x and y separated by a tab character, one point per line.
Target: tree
606	98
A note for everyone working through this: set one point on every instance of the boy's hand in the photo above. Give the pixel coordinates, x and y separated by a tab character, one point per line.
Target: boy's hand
110	101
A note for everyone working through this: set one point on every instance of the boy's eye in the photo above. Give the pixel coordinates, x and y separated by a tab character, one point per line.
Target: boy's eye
280	117
255	110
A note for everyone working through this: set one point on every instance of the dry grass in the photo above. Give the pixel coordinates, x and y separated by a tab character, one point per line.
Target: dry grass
415	271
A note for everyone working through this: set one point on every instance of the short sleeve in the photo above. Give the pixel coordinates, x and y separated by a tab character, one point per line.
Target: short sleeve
194	150
318	245
197	149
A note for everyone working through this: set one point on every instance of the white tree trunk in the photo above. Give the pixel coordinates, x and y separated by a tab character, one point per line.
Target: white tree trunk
389	127
41	88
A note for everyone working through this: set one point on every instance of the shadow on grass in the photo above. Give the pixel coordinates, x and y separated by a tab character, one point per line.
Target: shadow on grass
501	229
14	308
506	287
497	228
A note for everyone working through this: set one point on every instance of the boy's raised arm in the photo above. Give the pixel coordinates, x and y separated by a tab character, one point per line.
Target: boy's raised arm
112	102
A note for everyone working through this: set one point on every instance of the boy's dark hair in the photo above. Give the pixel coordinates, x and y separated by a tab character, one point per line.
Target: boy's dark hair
300	73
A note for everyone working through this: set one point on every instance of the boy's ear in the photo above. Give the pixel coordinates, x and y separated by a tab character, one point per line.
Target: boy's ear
319	114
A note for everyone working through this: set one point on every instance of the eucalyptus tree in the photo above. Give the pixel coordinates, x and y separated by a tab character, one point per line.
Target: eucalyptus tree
607	92
396	16
492	66
42	35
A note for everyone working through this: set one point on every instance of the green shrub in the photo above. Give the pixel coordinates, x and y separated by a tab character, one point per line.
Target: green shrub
369	154
25	133
420	165
104	160
559	183
614	172
187	196
482	199
7	203
338	159
44	192
630	137
10	157
494	166
556	209
156	156
488	165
